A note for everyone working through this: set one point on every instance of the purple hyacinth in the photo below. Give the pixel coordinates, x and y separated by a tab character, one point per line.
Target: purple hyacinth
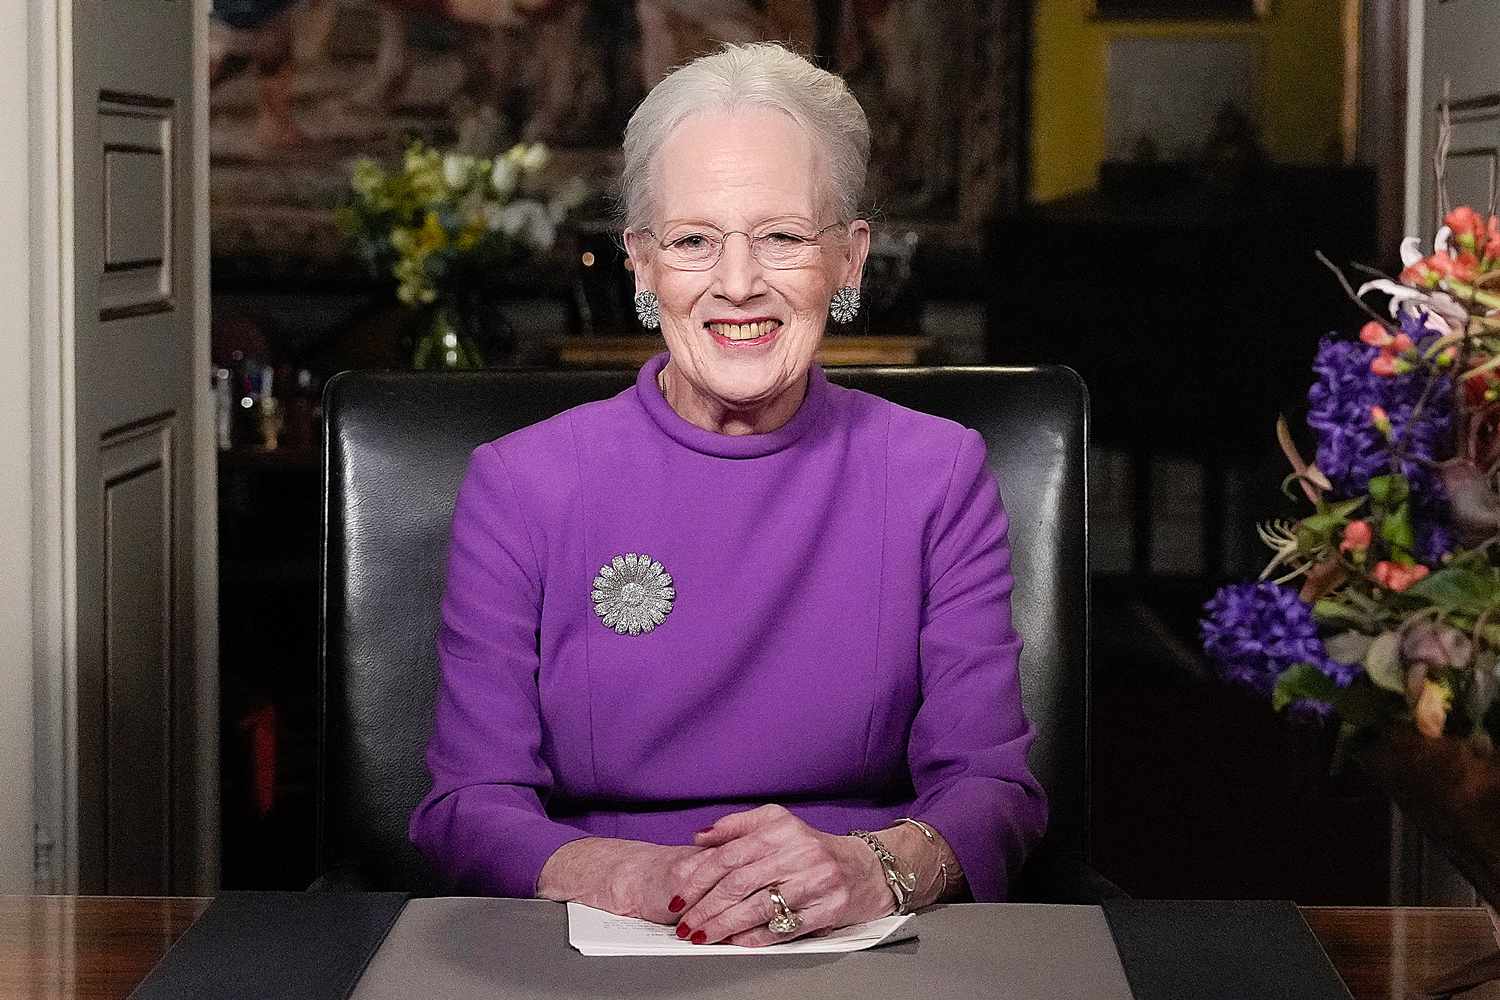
1351	449
1255	631
1434	533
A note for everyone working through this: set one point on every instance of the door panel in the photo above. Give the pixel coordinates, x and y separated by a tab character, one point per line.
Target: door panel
133	188
138	612
136	136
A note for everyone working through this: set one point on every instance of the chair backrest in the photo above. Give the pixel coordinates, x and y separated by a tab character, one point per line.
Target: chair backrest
395	447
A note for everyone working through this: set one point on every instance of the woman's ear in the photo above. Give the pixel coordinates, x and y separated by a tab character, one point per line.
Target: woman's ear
637	245
859	249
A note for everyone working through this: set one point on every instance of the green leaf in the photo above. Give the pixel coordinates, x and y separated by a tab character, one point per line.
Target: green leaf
1344	508
1396	531
1388	491
1331	517
1383	662
1302	681
1334	613
1457	589
1324	524
1349	647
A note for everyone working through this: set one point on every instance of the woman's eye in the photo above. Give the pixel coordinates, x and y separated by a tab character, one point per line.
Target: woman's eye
784	238
691	241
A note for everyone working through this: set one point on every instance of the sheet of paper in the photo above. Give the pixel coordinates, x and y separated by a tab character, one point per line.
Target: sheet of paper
595	932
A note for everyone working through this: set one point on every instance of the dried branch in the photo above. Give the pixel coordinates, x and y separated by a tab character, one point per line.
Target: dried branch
1353	295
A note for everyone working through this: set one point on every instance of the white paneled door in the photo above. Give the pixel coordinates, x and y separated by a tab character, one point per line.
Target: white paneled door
1457	50
143	723
1452	52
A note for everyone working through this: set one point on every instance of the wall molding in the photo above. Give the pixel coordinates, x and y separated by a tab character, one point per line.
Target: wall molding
54	610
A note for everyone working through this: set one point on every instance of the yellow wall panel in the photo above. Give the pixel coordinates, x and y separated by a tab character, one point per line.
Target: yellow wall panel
1301	83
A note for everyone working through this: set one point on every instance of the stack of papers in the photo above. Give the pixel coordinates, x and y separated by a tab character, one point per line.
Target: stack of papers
595	932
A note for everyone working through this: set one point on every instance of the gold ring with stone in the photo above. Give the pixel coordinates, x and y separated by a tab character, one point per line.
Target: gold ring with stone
786	920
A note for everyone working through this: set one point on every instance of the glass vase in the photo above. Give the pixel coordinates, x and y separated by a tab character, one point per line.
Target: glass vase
445	344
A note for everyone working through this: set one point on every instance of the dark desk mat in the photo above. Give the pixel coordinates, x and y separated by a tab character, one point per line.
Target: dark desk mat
252	945
513	949
1220	950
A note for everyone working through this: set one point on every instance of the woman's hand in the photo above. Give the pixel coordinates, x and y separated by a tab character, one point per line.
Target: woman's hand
829	881
626	877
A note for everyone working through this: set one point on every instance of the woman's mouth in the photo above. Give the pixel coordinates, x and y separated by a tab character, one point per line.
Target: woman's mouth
744	333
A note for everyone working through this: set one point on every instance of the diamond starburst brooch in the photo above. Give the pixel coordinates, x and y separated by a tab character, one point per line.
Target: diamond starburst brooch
633	594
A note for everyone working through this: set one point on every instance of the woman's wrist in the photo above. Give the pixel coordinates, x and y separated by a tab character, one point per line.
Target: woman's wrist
570	873
925	857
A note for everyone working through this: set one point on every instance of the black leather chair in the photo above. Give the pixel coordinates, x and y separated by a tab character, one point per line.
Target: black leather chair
395	448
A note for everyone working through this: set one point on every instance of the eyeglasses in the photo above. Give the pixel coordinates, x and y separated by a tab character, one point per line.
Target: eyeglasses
698	247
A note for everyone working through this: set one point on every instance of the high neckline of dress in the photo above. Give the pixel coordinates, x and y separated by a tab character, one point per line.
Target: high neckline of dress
690	435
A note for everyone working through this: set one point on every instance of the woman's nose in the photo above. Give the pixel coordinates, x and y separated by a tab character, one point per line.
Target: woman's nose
739	273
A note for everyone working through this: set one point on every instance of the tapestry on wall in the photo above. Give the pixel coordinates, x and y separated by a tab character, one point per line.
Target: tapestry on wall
300	89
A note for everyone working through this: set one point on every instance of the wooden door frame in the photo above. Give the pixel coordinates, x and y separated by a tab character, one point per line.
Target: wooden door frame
40	48
16	646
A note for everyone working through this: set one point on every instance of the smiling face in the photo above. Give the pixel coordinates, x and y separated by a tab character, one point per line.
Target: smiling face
742	335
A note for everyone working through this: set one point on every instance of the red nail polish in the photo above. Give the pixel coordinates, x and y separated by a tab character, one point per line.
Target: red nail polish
676	904
707	829
698	937
683	930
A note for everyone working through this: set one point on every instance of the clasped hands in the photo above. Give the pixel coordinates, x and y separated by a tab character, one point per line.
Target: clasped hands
714	890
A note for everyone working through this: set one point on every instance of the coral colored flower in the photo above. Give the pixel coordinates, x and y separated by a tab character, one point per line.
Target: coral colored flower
1375	334
1383	365
1461	268
1394	576
1418	275
1381	420
1465	223
1401	343
1357	537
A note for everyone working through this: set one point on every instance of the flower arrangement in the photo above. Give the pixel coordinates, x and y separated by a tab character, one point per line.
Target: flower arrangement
1381	606
448	223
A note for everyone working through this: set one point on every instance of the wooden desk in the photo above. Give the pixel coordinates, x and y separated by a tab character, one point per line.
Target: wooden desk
99	948
836	349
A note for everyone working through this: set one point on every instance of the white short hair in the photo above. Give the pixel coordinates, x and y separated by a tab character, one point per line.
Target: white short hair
762	75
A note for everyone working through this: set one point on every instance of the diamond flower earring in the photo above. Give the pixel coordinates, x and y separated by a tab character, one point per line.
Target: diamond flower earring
845	304
648	309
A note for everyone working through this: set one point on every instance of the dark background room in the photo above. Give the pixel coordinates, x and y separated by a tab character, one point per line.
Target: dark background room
1139	198
1176	199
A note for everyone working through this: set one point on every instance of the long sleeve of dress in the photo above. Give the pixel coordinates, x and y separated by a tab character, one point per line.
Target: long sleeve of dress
483	826
969	739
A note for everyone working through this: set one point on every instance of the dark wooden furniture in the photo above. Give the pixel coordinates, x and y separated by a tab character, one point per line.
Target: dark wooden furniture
844	349
99	947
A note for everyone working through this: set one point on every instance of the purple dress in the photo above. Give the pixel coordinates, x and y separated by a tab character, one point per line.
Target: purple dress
835	637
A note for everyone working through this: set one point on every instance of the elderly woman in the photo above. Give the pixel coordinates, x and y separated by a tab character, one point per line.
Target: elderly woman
732	650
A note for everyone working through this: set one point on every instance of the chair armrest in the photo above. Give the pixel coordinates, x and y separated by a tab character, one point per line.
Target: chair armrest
1063	877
